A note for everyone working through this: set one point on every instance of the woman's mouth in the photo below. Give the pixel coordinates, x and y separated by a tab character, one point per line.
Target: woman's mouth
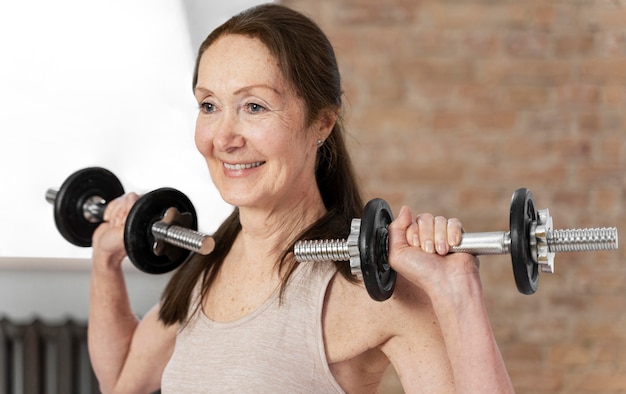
242	166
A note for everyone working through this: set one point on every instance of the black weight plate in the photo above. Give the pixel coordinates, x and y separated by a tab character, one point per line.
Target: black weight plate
78	188
525	269
138	237
379	277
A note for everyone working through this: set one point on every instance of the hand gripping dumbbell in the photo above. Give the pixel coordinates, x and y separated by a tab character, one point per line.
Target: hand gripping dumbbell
160	231
531	242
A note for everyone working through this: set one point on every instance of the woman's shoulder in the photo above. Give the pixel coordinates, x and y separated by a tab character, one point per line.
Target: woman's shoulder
349	309
353	298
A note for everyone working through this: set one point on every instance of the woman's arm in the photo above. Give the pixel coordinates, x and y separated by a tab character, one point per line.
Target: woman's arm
127	355
452	284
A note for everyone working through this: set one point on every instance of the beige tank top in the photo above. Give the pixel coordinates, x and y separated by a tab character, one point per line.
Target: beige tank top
279	348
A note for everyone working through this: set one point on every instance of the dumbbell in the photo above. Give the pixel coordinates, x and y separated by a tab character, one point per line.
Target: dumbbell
160	231
531	242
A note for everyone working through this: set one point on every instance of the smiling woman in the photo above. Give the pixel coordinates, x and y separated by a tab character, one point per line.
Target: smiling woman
251	129
248	317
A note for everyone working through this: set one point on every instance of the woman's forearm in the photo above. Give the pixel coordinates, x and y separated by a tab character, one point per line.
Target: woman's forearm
111	322
474	355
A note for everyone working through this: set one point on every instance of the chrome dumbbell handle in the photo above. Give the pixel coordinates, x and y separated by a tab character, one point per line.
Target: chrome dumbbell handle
481	243
182	237
487	243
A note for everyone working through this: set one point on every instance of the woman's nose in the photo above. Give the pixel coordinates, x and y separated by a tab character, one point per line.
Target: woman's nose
227	133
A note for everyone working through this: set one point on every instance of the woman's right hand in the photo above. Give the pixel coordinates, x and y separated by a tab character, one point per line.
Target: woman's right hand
127	355
108	239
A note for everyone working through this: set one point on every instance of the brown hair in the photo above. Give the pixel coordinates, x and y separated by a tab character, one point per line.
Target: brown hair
308	62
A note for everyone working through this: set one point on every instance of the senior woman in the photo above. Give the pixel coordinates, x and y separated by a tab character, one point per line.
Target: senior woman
248	318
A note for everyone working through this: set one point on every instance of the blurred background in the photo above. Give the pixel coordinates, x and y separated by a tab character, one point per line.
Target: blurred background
86	84
454	104
451	105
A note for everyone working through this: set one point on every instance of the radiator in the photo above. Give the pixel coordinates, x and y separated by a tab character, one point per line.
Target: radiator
38	357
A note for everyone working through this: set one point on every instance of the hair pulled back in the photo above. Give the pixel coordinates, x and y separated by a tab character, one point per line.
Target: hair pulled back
307	61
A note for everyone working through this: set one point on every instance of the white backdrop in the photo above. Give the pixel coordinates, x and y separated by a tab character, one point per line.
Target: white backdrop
98	84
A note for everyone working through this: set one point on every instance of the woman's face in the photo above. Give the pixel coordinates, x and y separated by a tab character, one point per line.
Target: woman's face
250	126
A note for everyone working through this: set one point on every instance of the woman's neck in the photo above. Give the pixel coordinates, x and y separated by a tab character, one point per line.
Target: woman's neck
265	233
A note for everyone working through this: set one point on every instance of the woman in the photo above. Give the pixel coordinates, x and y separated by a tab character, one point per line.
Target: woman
247	318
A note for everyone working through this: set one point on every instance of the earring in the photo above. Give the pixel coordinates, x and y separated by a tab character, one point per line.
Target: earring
319	142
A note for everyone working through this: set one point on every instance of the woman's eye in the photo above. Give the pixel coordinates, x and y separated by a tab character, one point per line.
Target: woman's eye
207	107
255	108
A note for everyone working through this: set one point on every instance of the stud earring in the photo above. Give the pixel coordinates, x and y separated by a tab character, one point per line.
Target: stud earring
319	142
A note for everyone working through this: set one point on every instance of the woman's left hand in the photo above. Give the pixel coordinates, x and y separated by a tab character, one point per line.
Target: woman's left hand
418	250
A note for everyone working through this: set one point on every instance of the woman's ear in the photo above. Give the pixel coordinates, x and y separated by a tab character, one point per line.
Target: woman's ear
325	124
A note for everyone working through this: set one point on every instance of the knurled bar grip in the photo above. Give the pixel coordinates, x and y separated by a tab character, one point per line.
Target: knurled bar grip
183	237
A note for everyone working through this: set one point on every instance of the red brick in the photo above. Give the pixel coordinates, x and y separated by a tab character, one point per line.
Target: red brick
368	12
528	96
470	15
608	353
480	43
453	105
482	121
402	121
605	121
614	95
605	16
599	330
481	96
607	199
607	71
443	71
426	95
612	44
525	44
521	353
603	382
547	123
535	379
568	354
571	45
578	95
528	72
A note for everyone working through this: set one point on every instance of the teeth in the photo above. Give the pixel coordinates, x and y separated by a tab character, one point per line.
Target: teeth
236	167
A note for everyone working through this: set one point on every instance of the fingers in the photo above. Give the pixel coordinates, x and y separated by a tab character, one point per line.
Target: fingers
455	231
417	245
108	238
432	234
117	210
403	224
436	233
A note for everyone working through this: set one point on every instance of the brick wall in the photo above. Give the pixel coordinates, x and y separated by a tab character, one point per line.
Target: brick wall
452	105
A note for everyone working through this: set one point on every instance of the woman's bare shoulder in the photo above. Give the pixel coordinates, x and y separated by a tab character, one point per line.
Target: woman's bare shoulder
350	311
402	330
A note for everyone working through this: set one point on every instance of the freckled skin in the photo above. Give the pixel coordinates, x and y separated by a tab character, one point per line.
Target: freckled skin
261	156
234	73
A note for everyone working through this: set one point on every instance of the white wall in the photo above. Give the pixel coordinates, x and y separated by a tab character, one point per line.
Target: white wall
94	84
